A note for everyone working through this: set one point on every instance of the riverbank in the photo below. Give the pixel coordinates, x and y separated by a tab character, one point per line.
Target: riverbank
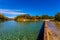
19	20
33	20
57	24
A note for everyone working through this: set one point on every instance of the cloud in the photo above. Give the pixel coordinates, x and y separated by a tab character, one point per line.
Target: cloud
6	11
11	13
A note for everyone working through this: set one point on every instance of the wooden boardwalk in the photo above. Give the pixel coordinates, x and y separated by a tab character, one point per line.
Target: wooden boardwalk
47	32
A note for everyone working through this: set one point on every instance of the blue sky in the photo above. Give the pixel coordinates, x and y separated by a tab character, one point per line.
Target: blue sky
12	8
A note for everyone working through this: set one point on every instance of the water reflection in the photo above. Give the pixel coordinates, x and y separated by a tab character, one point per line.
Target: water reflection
1	21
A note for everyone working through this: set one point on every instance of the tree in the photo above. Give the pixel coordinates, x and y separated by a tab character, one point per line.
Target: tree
57	16
45	17
1	16
25	16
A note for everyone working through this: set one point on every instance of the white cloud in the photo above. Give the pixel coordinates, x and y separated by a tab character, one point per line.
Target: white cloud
6	11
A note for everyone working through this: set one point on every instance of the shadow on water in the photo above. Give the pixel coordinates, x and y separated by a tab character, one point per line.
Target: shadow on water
41	33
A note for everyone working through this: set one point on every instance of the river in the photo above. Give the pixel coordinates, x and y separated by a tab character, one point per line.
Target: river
12	30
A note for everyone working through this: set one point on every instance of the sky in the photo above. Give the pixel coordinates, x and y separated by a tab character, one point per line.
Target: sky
13	8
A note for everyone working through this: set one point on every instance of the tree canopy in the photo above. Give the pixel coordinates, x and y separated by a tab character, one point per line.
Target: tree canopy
2	17
57	16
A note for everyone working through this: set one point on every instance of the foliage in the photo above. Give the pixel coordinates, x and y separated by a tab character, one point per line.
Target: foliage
57	16
45	16
2	17
27	16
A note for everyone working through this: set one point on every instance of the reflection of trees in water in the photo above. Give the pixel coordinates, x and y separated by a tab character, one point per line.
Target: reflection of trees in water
27	23
1	25
1	21
24	23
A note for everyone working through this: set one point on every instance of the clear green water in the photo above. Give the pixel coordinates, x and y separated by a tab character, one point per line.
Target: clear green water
11	30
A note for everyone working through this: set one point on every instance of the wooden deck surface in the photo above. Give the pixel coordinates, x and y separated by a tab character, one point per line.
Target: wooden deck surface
46	34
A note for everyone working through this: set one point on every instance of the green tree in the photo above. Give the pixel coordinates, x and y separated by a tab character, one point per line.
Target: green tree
45	17
1	16
57	16
25	16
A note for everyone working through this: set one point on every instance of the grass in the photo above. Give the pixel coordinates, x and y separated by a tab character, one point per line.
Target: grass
57	24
